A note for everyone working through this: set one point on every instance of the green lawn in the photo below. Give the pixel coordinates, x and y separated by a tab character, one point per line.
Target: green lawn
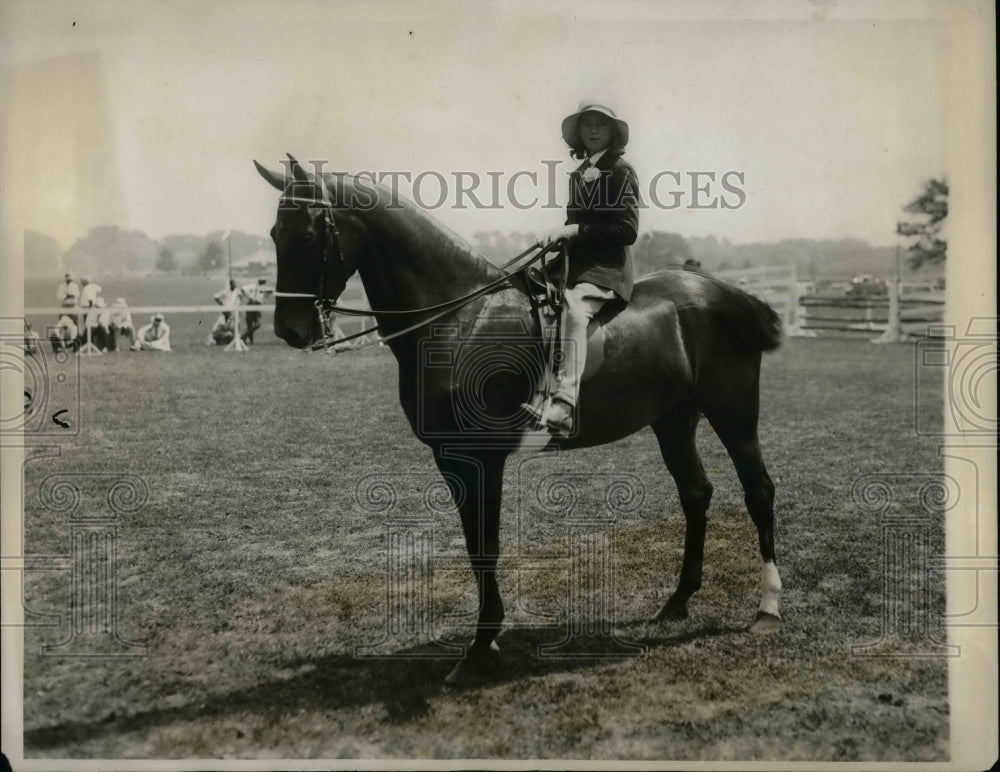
252	573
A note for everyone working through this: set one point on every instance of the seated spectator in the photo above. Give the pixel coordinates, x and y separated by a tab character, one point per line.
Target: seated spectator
30	339
155	336
98	323
120	324
229	296
65	335
222	331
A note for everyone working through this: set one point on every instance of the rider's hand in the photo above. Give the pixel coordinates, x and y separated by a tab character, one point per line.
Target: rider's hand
562	232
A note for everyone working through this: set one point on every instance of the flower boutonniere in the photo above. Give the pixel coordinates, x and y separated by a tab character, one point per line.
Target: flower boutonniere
590	174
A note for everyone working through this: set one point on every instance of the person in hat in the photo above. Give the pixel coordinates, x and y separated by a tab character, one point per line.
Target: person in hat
602	221
64	336
98	322
255	293
154	336
68	294
121	324
229	296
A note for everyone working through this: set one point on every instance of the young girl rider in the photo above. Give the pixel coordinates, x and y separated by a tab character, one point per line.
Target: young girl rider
602	219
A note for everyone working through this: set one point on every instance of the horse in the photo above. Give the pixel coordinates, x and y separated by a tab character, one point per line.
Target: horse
686	345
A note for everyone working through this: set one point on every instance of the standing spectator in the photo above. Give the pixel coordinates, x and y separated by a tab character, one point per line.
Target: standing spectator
64	336
255	293
68	294
154	336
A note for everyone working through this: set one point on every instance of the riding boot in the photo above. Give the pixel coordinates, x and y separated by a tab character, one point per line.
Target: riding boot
558	417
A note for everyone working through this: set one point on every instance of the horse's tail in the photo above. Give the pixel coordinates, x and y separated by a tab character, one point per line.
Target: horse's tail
754	323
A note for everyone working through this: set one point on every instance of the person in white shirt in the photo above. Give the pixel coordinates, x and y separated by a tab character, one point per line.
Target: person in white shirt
89	292
120	324
63	336
255	293
222	331
99	324
154	336
68	294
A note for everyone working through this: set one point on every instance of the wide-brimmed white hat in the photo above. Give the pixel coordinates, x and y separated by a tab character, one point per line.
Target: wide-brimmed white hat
570	129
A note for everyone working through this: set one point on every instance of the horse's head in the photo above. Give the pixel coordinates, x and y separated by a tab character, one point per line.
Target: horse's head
319	243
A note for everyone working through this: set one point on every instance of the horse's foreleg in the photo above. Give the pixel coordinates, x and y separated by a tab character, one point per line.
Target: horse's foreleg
476	482
675	434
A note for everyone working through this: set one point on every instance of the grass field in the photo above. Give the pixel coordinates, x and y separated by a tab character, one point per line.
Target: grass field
252	573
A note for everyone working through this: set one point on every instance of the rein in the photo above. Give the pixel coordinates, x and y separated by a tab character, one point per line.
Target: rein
324	306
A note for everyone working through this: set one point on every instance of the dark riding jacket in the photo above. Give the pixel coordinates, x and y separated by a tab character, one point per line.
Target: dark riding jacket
607	211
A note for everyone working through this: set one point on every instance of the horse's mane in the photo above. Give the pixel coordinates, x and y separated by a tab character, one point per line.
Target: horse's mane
402	206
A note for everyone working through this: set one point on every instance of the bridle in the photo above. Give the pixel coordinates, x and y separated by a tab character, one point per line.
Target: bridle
330	240
332	251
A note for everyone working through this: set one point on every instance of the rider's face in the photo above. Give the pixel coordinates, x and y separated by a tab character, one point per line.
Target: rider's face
596	131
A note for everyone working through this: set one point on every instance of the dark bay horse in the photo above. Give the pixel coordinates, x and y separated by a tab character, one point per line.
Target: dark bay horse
686	345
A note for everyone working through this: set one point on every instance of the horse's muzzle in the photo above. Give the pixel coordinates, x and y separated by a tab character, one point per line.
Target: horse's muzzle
294	339
298	329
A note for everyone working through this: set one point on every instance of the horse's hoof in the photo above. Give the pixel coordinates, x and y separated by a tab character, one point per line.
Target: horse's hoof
671	612
481	663
765	623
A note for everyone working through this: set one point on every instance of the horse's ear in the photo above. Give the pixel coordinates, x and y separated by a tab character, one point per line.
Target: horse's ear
300	174
278	180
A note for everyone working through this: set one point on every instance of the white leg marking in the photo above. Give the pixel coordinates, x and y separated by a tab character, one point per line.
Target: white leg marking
770	588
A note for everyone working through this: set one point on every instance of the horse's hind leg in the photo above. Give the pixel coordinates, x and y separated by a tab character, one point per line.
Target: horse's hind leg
738	432
675	433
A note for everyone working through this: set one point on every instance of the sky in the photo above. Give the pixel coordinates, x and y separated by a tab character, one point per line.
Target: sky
148	115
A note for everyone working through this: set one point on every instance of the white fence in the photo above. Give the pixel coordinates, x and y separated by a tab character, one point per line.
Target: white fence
907	310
